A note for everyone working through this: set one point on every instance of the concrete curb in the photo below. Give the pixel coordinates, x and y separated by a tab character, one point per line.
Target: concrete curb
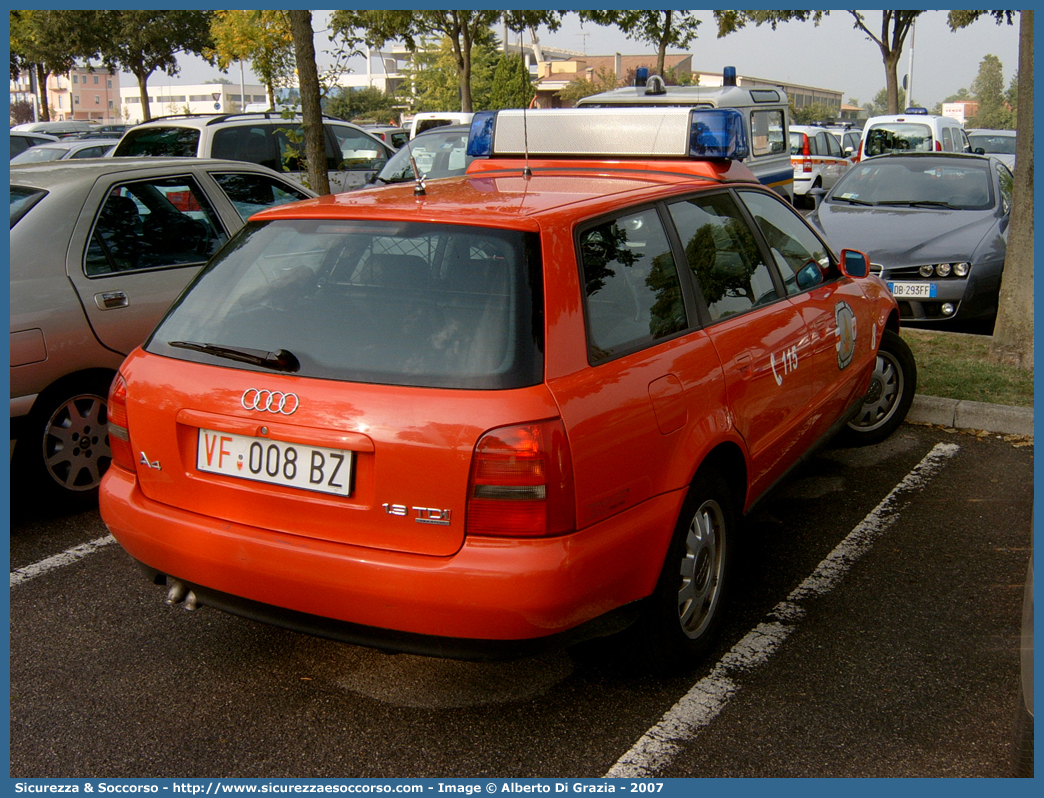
964	414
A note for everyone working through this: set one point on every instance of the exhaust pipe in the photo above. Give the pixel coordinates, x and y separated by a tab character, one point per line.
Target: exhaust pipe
180	594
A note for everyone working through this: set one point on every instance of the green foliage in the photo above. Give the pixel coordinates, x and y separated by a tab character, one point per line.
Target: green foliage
988	90
879	106
261	37
671	76
367	103
512	86
962	19
811	113
603	80
433	78
463	30
21	112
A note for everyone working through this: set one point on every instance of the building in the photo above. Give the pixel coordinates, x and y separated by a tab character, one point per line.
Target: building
555	76
200	98
388	69
85	93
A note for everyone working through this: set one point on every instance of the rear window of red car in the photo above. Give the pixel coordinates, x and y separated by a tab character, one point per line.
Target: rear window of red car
398	303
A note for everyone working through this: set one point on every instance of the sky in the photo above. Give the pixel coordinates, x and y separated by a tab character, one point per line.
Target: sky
833	55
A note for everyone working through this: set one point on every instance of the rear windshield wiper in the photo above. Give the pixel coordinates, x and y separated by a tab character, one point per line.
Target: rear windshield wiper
277	361
914	203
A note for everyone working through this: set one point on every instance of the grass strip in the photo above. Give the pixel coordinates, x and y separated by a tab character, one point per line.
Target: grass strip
957	366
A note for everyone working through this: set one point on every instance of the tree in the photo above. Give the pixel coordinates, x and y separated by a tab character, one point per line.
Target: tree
662	29
1013	331
261	37
579	87
432	82
141	42
366	103
879	105
40	45
811	113
988	90
463	29
311	100
21	112
512	86
895	25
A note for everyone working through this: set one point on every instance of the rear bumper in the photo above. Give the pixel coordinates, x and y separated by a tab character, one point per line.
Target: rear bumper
492	593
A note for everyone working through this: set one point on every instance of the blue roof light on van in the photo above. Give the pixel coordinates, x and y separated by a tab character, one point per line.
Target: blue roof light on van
916	109
640	132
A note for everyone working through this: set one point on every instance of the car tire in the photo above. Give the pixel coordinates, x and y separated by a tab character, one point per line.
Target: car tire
888	399
683	615
64	450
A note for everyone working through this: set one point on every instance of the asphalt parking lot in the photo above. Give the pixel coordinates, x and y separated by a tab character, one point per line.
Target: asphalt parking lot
873	632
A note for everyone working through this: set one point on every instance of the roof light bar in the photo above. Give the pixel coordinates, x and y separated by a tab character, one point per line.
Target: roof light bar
610	133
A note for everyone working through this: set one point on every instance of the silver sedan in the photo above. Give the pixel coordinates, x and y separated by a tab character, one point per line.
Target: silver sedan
99	250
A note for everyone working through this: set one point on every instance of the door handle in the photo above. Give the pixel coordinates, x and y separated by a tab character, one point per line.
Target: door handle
744	361
109	300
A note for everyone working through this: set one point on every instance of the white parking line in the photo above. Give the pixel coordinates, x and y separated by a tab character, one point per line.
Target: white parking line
67	557
697	708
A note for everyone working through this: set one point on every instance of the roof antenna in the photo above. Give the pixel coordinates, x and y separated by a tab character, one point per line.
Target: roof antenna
418	187
526	171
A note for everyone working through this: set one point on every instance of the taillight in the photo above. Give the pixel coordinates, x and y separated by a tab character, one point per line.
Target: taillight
806	152
521	482
938	146
119	436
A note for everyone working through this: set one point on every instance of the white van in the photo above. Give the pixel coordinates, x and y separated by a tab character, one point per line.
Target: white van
765	111
913	131
429	119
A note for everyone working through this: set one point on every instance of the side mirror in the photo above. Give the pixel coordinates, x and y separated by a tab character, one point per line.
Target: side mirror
979	151
854	263
817	196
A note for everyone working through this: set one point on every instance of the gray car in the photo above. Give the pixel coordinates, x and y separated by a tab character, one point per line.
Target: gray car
64	150
998	143
439	152
352	154
935	226
99	250
21	141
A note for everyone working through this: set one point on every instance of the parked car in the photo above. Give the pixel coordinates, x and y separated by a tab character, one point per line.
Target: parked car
352	154
998	143
426	120
817	159
20	142
57	129
913	131
764	116
63	150
847	135
391	135
439	152
98	251
109	131
937	227
523	407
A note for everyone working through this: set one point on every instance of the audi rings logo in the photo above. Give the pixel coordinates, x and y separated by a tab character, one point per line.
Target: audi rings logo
270	401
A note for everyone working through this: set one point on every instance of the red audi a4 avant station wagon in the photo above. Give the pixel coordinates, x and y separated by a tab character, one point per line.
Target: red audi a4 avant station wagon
503	410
